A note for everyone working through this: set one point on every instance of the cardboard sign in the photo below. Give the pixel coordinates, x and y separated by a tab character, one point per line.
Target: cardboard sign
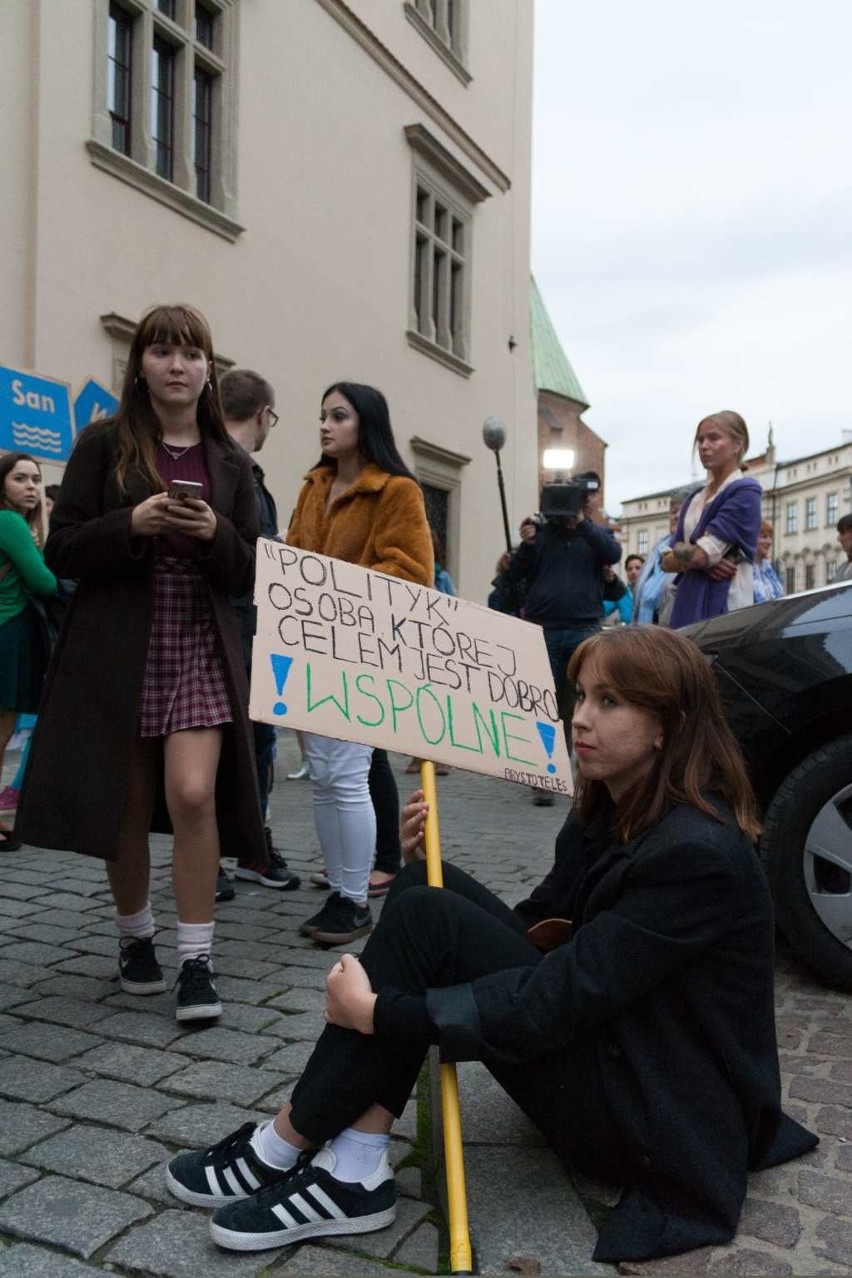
350	653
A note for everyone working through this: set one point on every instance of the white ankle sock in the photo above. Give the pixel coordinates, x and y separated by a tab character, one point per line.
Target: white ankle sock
140	925
358	1154
193	940
273	1149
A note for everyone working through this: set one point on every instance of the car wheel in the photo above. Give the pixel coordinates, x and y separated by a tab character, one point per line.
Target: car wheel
807	848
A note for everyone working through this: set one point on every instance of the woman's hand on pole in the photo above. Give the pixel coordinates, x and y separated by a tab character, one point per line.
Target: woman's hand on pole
413	826
349	997
193	517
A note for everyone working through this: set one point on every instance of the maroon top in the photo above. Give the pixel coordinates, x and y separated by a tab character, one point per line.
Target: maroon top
190	465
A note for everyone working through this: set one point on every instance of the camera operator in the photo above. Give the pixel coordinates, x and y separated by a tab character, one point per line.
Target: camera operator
561	557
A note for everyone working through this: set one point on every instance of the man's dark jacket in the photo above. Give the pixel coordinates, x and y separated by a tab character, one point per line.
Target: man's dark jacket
563	569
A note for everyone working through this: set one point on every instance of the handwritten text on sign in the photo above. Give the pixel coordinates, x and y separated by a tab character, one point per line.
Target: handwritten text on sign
350	653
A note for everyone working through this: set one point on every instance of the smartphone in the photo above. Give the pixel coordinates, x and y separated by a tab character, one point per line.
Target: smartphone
179	488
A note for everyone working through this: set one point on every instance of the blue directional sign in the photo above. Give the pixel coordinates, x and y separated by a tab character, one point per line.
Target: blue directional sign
93	403
35	415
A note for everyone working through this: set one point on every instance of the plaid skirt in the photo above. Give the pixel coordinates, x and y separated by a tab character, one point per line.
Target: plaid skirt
184	684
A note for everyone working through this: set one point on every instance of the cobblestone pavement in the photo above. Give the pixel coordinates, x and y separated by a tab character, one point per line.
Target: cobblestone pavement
98	1088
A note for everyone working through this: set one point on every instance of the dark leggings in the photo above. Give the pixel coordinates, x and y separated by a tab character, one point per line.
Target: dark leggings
427	938
385	799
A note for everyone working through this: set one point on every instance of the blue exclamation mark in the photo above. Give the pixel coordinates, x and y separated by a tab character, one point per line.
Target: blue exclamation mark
281	669
547	732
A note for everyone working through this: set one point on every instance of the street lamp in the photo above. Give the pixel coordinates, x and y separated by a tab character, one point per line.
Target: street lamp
494	435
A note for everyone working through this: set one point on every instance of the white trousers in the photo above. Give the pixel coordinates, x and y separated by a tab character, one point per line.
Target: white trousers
343	811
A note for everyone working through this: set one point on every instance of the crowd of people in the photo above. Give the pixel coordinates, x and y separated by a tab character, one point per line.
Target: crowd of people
636	976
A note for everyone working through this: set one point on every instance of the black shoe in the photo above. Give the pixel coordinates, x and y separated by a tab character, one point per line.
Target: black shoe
323	916
349	921
224	1172
275	873
197	999
138	969
309	1203
224	887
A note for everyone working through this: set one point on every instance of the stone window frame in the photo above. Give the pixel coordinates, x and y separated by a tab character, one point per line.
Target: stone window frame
832	500
791	518
642	546
442	468
445	26
443	178
139	168
811	514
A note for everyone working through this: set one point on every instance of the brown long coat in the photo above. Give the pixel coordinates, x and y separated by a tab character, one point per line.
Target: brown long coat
74	789
379	523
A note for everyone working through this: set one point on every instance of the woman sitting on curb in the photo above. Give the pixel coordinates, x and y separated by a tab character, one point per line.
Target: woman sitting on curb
626	1006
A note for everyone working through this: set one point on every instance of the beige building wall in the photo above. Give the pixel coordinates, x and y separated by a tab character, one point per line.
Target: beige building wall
316	286
803	500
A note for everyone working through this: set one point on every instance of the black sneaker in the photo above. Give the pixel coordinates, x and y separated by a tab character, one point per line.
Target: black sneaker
349	921
323	916
273	873
224	886
197	999
224	1172
138	969
308	1203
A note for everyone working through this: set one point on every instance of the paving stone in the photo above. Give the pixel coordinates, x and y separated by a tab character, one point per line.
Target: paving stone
770	1222
827	1090
39	1081
88	965
829	1193
490	1116
13	1176
196	1126
742	1260
834	1122
22	1260
235	990
119	1104
64	1011
91	1153
844	1158
17	909
93	943
80	1218
291	1059
383	1242
409	1182
14	972
176	1244
231	965
836	1236
141	1065
692	1262
324	1261
227	1082
23	1125
151	1185
64	985
47	1042
12	994
421	1249
36	952
24	891
144	1028
221	1044
65	901
299	999
248	1019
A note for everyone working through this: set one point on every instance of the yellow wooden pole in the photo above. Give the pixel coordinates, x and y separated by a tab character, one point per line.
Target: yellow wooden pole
461	1259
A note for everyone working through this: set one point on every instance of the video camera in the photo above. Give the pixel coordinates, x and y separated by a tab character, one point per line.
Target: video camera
565	500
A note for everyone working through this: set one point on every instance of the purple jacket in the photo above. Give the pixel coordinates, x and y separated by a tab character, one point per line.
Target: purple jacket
734	515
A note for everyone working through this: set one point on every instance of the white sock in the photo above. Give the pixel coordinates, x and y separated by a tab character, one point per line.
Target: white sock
358	1154
140	925
193	940
273	1149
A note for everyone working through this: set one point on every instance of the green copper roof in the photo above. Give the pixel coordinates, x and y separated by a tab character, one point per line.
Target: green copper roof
552	369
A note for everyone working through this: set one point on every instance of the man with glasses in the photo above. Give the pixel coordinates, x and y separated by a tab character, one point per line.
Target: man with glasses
248	405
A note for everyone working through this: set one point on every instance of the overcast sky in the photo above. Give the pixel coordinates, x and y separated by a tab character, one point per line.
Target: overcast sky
692	220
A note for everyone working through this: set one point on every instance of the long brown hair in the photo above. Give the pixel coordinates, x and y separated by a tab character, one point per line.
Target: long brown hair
139	427
7	464
664	672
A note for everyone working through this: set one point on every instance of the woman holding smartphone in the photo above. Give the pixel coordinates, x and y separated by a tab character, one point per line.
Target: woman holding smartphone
360	503
144	721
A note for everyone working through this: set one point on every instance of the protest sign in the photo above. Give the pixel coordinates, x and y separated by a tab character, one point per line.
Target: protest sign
346	652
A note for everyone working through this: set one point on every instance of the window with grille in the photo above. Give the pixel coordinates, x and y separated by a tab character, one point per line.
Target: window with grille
791	517
790	579
642	542
163	100
444	24
831	515
810	576
810	513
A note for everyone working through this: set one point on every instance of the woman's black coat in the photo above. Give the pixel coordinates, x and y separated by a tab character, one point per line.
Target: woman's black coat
670	973
74	787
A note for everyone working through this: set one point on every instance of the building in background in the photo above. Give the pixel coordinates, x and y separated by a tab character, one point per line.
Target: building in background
342	187
561	401
802	499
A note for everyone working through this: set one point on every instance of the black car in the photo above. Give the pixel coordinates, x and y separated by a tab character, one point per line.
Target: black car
785	674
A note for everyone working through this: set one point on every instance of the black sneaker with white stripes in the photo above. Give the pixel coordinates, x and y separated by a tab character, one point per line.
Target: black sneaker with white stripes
309	1203
222	1173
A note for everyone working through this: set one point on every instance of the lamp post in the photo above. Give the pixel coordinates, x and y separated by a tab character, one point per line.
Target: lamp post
494	435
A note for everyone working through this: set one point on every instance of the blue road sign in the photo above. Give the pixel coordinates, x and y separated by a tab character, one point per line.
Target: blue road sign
35	415
93	403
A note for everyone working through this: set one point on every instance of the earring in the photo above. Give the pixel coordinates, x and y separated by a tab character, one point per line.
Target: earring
209	385
139	382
